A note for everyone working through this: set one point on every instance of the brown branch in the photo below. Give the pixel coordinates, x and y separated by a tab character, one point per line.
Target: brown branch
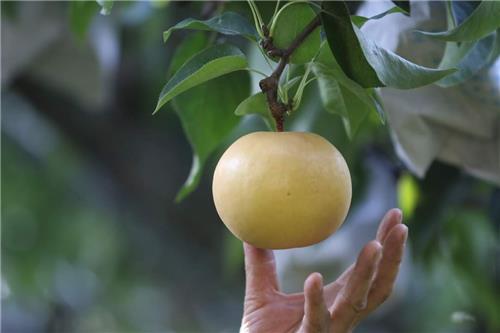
269	85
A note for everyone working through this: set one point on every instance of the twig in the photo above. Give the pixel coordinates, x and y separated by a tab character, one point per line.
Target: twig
269	85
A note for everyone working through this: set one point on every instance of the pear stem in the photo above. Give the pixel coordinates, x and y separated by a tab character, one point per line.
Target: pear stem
269	85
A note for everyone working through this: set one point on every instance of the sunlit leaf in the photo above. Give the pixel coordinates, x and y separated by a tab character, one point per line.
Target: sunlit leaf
359	21
397	72
208	64
484	20
228	23
469	58
365	62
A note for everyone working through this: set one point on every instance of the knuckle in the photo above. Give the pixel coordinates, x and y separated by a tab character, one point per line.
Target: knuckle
359	306
354	305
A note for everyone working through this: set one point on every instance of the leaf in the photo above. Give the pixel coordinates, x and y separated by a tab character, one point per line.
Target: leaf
404	5
340	95
80	16
229	23
186	49
483	20
379	105
208	64
290	22
207	117
460	11
106	6
397	72
359	21
469	58
326	66
257	104
345	45
366	63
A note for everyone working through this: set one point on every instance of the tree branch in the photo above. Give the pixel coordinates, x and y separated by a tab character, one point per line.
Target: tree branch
269	85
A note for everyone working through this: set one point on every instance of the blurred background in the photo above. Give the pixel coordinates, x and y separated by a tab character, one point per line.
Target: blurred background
92	240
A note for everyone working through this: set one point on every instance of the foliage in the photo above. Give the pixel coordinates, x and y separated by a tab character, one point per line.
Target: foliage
346	67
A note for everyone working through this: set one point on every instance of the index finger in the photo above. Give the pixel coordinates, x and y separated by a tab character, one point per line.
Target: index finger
260	269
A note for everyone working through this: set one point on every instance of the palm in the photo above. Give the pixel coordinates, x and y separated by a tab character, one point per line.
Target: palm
336	307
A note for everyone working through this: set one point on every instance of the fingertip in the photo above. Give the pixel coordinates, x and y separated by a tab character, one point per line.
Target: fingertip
403	232
314	281
371	255
392	218
395	214
313	285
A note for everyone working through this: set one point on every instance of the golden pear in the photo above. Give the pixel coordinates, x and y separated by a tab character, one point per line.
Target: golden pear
278	190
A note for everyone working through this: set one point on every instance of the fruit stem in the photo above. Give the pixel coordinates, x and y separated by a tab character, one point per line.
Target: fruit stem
269	85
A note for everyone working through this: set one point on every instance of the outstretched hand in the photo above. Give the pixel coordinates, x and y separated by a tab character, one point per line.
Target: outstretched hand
336	307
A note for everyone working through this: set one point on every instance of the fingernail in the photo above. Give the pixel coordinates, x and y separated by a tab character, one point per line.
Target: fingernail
320	279
405	233
399	214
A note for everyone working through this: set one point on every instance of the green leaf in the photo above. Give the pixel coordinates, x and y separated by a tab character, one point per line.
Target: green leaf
206	111
379	105
469	58
327	67
345	45
366	63
395	71
229	23
80	16
208	64
359	21
290	22
341	95
404	5
207	117
257	104
186	49
106	6
483	20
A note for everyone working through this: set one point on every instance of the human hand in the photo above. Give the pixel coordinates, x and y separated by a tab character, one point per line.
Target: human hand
336	307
